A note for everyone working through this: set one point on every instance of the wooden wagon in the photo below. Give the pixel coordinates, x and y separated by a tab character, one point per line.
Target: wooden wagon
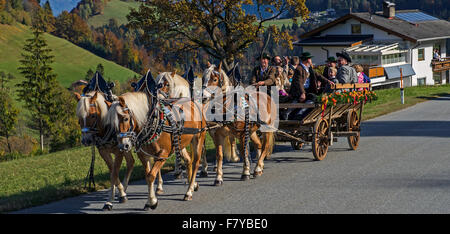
321	128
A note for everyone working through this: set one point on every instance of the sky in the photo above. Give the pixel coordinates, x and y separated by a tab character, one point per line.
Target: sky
59	6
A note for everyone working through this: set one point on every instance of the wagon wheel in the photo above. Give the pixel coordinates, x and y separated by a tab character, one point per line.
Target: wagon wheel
320	139
296	145
353	124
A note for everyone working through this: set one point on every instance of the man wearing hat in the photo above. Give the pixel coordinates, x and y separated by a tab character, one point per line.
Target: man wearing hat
263	75
345	74
331	62
304	84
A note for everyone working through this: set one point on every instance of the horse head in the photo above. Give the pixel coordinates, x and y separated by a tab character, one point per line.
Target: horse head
91	109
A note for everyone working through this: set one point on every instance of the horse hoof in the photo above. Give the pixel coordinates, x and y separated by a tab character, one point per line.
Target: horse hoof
257	174
147	207
218	183
107	207
123	199
187	197
159	192
245	177
203	174
196	187
178	176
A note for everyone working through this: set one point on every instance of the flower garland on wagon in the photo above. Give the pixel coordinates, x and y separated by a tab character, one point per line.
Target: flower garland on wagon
345	97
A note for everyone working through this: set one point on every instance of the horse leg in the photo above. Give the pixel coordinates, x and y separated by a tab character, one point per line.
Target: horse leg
159	189
152	202
266	148
114	174
219	141
195	163
130	165
234	156
258	145
204	171
246	166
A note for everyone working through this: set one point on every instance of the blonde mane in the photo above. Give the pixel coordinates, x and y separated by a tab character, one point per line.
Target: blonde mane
137	103
84	105
226	80
179	87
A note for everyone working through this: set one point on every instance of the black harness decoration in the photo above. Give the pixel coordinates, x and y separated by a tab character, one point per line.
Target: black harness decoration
97	84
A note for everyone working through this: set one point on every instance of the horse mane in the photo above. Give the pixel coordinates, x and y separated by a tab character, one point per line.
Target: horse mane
179	87
137	103
84	105
207	74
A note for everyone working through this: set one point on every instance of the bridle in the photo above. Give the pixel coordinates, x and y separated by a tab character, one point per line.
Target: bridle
130	132
90	129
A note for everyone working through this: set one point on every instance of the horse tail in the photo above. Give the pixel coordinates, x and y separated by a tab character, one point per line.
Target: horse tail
228	151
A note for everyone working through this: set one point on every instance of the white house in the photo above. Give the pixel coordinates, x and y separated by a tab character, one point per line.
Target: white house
386	43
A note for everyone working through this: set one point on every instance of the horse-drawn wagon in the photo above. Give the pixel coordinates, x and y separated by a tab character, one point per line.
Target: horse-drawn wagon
322	125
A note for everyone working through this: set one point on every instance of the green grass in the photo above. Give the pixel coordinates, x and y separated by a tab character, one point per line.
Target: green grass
280	22
389	99
42	179
114	9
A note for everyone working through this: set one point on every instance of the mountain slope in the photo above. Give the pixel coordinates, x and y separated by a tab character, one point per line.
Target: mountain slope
114	9
71	62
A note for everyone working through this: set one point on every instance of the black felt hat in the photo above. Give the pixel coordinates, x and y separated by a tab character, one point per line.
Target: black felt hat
331	59
344	55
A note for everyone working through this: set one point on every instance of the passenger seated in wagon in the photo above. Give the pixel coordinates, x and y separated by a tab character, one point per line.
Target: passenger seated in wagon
304	87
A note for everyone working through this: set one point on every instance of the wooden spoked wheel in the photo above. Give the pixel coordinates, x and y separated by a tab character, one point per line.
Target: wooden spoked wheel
296	145
353	124
320	139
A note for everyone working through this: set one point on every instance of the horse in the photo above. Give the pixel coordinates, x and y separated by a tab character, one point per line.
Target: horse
215	77
91	111
131	114
173	85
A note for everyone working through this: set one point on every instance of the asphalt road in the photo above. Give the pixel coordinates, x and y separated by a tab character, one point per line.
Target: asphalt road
401	166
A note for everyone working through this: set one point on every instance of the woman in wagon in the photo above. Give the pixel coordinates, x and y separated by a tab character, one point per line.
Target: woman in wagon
304	86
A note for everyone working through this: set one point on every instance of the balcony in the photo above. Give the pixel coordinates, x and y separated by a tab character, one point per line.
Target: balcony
441	65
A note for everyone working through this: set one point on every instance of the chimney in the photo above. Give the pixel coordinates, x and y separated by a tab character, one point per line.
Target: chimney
388	9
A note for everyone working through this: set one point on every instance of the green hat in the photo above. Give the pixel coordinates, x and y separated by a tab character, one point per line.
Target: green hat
264	55
305	56
331	59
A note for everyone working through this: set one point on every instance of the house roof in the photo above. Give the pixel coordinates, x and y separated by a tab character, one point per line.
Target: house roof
334	40
411	31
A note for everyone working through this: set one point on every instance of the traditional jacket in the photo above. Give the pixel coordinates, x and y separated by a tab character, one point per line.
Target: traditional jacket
299	80
268	76
346	75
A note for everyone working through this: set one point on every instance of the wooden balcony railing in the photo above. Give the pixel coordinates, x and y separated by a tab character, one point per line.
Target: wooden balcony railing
373	71
441	65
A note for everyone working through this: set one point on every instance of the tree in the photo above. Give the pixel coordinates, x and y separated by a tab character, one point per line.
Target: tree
39	90
4	79
100	69
8	116
222	28
71	27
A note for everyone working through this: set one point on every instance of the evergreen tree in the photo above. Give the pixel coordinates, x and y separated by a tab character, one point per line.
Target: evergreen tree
100	69
4	79
8	116
39	90
89	75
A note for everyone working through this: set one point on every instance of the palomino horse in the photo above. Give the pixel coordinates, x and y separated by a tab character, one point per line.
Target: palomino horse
91	111
215	77
130	115
175	86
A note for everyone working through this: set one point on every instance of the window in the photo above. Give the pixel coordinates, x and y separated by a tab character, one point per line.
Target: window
393	58
356	28
420	81
421	55
437	77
